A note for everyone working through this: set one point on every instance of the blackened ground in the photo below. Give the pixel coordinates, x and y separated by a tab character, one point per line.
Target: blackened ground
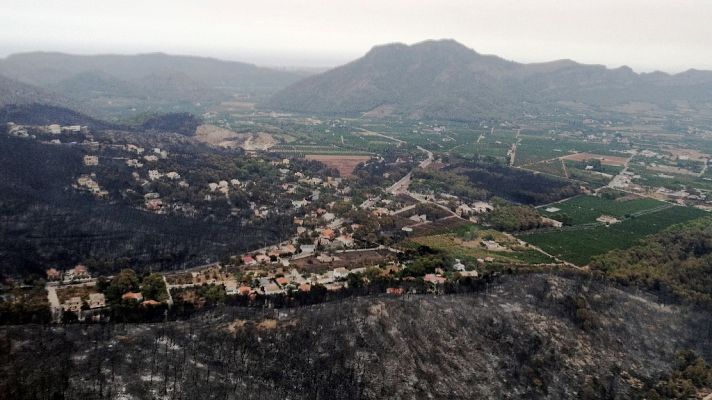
526	336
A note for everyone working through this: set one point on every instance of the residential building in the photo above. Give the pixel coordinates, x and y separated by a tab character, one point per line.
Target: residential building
53	274
132	296
74	304
97	300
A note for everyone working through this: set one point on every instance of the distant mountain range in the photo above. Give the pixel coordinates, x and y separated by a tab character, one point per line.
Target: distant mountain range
444	79
106	81
432	79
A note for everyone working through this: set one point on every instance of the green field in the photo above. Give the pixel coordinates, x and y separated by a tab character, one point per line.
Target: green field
579	244
585	209
448	243
533	149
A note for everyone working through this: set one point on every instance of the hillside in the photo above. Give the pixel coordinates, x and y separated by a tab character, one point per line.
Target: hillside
18	93
45	220
43	114
109	82
526	336
444	79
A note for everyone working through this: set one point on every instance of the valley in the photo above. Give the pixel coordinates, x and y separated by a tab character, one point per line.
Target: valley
173	233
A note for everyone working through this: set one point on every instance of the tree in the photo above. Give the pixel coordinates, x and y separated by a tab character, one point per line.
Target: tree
154	287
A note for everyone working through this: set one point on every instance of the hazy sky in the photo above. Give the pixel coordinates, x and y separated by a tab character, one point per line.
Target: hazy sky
671	35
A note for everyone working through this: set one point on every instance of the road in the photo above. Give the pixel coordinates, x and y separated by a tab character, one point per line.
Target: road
402	185
513	150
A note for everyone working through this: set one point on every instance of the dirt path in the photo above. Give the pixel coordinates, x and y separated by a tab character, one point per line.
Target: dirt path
563	167
55	306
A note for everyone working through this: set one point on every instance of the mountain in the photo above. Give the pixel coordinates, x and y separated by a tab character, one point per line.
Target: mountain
444	79
125	81
18	93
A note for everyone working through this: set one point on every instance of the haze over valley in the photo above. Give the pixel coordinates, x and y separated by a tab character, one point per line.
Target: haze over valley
414	218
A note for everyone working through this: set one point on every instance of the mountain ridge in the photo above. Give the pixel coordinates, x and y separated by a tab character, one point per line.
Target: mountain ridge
111	84
445	79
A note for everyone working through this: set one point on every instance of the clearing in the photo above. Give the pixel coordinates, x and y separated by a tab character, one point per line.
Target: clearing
344	163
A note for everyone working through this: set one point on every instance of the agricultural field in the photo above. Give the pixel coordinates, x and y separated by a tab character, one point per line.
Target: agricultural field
615	161
345	164
349	260
585	209
469	249
533	149
578	244
653	179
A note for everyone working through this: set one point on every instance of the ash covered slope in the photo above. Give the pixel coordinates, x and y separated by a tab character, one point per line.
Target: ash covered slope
529	336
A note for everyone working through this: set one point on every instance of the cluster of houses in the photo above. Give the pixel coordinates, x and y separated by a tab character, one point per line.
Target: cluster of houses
76	304
57	129
73	275
88	183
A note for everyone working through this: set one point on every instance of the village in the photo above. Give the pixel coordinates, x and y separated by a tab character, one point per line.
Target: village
335	243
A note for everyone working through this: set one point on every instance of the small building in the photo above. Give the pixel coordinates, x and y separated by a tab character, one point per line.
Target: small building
458	266
271	289
419	218
154	204
72	128
262	258
53	274
328	233
481	207
134	149
395	291
464	210
471	274
97	300
340	273
552	222
334	287
91	161
132	296
345	240
307	248
287	250
134	163
230	288
325	258
74	304
248	260
434	279
77	273
608	220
